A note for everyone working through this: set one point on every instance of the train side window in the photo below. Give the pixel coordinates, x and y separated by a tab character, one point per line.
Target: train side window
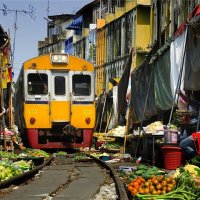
59	85
37	84
81	85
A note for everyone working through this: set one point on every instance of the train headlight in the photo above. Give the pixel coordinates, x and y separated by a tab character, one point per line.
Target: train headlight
32	120
59	58
87	120
64	58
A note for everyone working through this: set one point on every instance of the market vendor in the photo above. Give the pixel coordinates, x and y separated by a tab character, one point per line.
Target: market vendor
188	147
187	142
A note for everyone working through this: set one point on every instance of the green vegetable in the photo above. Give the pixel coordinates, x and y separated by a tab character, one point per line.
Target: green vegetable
196	161
142	166
151	172
160	172
139	172
155	171
185	190
146	175
198	171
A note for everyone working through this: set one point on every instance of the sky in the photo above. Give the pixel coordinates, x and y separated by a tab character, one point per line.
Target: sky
29	30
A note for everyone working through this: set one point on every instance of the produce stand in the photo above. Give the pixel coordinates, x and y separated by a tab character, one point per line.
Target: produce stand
113	136
17	167
145	147
25	175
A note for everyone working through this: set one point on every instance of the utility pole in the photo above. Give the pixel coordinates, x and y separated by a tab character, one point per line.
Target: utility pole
10	62
30	12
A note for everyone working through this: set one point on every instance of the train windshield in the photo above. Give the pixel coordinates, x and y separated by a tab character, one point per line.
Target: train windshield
37	84
81	85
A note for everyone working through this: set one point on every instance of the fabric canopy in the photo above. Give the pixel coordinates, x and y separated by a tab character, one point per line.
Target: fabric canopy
122	87
162	85
177	49
141	91
192	64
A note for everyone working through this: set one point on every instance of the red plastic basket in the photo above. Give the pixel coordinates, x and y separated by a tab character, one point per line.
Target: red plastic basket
196	138
172	157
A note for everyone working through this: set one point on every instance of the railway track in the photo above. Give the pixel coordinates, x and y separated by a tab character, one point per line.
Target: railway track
62	178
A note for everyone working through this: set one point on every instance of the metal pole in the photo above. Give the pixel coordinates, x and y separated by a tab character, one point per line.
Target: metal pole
104	105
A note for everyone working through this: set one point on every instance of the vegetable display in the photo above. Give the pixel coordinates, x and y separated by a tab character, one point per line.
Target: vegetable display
34	153
148	172
112	145
151	183
185	190
191	169
80	156
196	160
9	169
156	185
12	164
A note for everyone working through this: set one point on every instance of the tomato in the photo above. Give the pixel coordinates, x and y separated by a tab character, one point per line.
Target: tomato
137	187
163	192
158	191
150	182
146	184
171	179
139	181
151	188
158	186
164	183
173	182
134	191
141	191
154	192
132	183
130	188
164	188
153	176
167	179
143	180
155	181
146	190
135	183
170	185
160	178
169	189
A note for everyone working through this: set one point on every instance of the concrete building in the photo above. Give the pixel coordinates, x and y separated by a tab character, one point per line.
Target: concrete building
104	32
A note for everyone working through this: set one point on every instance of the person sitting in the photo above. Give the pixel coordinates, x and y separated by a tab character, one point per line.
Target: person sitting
188	147
187	143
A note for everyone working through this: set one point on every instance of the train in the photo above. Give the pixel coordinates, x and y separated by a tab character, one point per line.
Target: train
54	102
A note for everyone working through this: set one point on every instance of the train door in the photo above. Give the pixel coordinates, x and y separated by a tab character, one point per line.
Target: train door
60	98
82	99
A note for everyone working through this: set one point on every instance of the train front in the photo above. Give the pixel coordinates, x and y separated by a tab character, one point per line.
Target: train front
59	109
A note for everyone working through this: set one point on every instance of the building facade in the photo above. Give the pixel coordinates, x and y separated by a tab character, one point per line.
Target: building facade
104	32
